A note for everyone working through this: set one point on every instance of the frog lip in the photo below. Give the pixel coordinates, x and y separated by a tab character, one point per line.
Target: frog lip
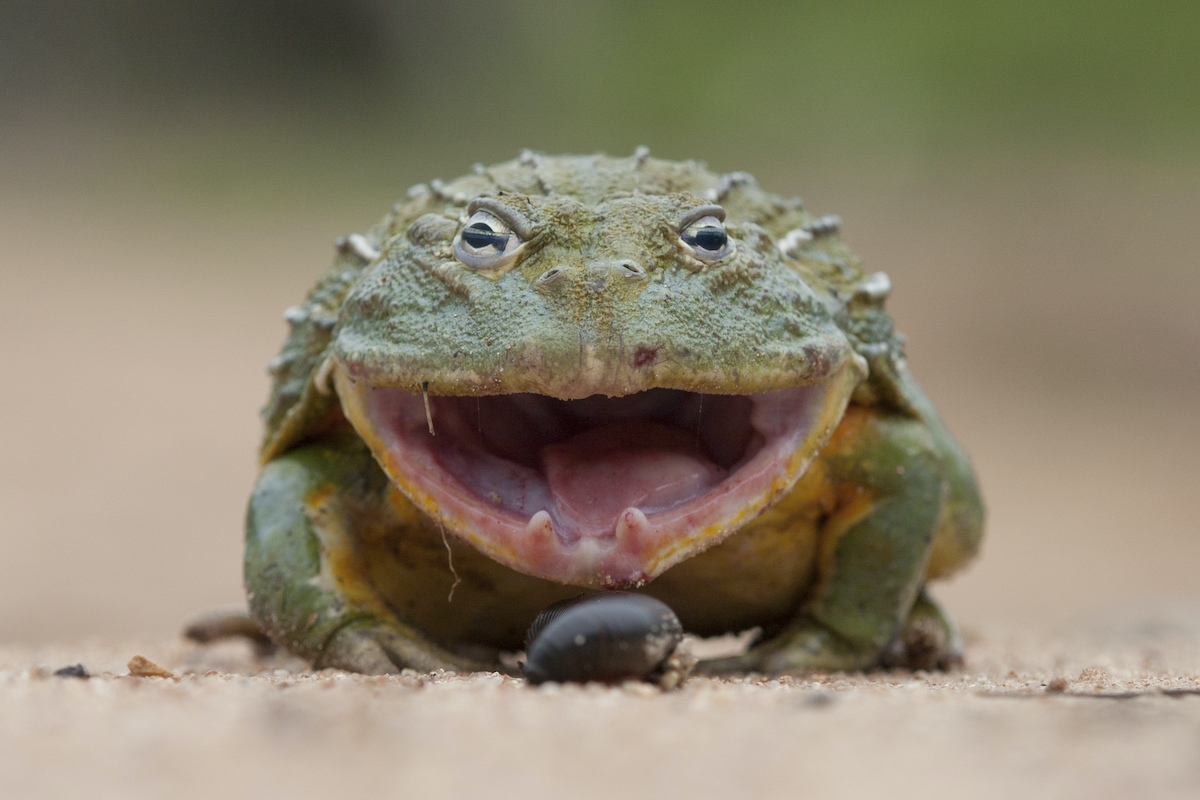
603	491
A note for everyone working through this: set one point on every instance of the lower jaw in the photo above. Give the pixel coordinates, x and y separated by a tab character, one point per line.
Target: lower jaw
640	544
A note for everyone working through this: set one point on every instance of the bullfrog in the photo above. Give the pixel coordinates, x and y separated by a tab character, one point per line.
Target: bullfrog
566	374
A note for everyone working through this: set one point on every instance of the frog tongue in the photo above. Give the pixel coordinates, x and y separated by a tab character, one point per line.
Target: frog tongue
597	474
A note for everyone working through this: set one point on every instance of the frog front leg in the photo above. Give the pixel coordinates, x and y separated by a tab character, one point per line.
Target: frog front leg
887	481
306	582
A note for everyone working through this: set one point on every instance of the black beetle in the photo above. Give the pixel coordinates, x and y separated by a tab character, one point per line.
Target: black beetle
609	637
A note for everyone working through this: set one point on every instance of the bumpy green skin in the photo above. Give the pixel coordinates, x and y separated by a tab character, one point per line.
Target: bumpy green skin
414	318
312	617
876	568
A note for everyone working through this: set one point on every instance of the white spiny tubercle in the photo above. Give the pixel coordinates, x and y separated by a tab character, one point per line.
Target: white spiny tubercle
876	286
321	379
357	244
793	240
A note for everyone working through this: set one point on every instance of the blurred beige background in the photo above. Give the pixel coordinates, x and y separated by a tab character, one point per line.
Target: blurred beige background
172	178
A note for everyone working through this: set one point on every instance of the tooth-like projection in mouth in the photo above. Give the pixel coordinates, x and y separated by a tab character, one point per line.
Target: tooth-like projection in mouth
601	491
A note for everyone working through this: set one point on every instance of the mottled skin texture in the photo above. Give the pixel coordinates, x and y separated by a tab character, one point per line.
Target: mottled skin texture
347	570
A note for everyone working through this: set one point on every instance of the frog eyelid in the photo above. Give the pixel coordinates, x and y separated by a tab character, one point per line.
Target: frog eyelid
517	223
699	212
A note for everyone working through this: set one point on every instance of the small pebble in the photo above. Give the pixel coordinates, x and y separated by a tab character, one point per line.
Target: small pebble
142	667
72	671
1058	685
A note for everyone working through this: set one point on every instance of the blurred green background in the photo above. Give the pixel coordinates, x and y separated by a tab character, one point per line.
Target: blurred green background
230	102
172	176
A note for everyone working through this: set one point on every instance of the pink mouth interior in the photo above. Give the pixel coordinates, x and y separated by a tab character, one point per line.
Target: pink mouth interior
538	476
586	461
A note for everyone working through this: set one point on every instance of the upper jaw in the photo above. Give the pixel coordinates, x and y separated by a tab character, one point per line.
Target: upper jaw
603	494
715	331
572	369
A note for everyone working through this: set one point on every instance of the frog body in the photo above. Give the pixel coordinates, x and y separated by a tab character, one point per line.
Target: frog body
563	374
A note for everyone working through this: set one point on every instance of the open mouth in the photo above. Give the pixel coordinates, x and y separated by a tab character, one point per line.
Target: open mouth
603	491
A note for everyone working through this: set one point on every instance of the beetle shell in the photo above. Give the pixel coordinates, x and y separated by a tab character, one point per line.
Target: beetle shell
609	637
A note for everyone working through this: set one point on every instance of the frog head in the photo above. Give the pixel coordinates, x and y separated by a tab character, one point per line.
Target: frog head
593	378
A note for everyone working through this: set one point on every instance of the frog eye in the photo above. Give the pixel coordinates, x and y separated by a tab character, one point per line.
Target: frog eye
485	242
706	237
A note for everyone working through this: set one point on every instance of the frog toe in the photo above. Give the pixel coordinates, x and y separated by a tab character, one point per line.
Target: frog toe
729	665
374	649
811	647
930	640
807	647
357	650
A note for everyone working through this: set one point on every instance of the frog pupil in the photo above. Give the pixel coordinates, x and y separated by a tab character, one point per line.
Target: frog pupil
479	236
708	238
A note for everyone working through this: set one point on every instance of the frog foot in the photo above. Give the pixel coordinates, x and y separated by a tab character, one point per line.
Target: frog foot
802	647
373	648
231	622
929	641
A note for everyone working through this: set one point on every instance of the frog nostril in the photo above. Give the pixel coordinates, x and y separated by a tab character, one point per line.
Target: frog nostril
549	275
631	269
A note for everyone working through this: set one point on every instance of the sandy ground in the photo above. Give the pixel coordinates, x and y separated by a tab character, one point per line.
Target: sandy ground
1111	713
1052	321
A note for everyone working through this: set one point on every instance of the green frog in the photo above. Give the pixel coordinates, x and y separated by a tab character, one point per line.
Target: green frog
567	374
